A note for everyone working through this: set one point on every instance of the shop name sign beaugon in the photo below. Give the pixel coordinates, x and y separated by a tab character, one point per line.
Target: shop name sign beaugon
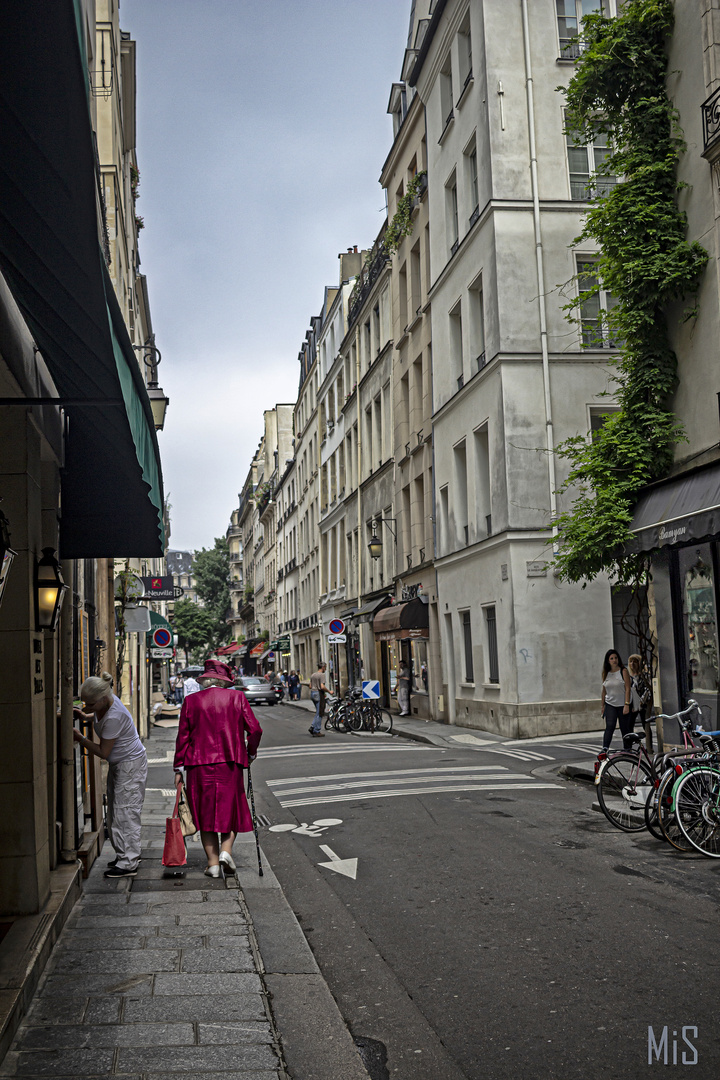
161	588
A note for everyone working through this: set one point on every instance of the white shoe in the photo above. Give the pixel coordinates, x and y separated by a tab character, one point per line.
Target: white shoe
212	871
227	860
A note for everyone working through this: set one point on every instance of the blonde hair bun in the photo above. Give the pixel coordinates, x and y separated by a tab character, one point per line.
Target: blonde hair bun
107	677
97	689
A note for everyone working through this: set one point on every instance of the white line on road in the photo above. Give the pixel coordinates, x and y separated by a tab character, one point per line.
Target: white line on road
522	755
419	791
323	750
445	771
398	780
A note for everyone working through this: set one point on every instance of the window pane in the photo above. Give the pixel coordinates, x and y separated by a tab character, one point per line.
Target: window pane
566	7
467	642
418	653
491	625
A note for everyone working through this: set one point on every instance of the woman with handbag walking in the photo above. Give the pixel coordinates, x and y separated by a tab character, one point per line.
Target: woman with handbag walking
121	747
217	739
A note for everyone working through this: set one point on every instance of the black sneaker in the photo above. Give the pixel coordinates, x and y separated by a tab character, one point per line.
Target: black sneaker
114	862
118	872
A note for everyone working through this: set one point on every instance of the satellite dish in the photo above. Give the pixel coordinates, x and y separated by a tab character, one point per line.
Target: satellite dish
132	585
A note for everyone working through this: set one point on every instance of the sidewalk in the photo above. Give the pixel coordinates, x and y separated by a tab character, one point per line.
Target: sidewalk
161	976
450	735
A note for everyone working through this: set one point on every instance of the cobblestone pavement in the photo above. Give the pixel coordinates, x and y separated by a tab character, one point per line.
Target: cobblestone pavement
152	977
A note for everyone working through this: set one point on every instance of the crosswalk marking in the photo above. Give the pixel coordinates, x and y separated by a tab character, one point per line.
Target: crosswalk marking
430	789
401	780
347	787
447	771
522	755
293	751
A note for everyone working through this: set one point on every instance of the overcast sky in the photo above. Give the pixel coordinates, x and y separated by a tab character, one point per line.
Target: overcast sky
262	129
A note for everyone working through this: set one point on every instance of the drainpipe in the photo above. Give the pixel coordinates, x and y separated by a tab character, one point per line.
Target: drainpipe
68	853
550	438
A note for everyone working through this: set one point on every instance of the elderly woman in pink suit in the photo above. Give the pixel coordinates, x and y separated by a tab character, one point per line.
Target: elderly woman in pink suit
218	737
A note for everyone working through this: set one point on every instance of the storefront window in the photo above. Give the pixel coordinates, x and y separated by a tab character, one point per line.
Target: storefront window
418	656
700	618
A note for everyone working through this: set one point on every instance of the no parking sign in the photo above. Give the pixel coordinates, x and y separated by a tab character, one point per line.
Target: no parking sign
162	637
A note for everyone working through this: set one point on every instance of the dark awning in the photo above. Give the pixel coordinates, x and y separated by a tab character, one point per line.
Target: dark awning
367	611
678	511
402	620
51	257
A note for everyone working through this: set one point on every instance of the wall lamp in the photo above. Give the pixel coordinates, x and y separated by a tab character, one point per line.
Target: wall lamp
49	591
6	553
158	402
375	545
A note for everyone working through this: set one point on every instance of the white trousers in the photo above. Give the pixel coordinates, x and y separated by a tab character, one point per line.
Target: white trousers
403	698
125	797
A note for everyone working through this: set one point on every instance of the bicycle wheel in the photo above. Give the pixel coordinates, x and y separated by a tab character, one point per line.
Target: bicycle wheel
652	823
666	815
623	790
383	720
354	718
696	799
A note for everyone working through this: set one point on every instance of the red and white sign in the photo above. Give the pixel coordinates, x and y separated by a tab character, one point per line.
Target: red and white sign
337	626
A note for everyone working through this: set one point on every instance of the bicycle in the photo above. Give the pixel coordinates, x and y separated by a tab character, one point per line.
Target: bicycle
628	780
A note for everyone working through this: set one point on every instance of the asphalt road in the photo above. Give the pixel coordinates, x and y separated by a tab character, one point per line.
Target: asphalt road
495	926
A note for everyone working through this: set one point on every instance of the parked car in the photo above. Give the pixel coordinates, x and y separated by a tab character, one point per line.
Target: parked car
257	689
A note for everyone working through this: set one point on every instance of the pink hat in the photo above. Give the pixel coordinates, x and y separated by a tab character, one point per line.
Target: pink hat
214	669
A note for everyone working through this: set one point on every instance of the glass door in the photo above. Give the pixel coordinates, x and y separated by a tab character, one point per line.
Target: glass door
697	581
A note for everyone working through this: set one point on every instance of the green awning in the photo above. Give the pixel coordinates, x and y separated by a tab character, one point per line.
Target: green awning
156	621
51	257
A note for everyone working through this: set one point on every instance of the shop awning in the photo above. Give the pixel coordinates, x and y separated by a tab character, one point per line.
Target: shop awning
51	257
367	611
678	511
406	620
228	650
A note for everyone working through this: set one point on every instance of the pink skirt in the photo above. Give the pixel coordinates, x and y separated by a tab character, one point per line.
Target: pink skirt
216	794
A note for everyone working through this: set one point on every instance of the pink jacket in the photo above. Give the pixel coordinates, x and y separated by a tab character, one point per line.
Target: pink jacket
213	726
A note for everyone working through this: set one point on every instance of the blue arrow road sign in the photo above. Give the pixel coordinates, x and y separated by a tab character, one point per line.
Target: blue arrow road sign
371	688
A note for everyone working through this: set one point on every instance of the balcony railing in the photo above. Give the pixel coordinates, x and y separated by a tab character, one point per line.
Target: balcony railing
367	278
711	119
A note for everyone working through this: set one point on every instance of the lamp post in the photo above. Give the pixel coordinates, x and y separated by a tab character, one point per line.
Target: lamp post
6	553
50	589
158	401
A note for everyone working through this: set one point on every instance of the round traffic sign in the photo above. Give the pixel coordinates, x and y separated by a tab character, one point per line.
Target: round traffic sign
337	626
162	637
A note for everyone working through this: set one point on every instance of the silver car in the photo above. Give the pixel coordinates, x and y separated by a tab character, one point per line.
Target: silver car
257	689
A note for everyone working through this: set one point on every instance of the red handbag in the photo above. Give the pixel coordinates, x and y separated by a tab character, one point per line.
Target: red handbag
174	853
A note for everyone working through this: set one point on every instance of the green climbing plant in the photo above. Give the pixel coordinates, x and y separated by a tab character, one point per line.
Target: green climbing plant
401	224
645	262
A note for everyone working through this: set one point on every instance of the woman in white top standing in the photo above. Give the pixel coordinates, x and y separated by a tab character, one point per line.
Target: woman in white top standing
121	747
616	697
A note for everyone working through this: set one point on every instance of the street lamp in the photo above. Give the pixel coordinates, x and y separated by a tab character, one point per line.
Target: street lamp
375	547
375	544
49	591
6	553
158	401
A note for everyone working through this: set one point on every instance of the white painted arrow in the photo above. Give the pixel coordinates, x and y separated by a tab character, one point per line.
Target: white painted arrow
348	867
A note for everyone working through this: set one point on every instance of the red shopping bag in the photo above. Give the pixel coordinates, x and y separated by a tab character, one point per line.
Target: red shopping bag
174	853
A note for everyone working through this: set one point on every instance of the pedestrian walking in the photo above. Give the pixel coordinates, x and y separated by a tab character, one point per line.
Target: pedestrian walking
191	685
318	690
616	697
294	685
176	685
640	692
404	689
121	747
217	739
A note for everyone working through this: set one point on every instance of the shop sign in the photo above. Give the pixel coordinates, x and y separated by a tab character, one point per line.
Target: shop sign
159	588
258	650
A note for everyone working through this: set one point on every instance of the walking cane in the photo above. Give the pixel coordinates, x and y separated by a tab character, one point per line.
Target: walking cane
254	820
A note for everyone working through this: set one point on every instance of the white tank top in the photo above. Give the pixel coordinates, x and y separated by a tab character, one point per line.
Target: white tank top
614	687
